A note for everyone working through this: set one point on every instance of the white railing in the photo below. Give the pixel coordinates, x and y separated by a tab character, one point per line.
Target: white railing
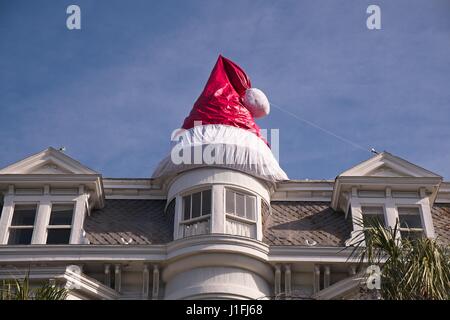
240	227
193	228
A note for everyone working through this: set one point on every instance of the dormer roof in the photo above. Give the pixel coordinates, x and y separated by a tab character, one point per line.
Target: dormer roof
386	170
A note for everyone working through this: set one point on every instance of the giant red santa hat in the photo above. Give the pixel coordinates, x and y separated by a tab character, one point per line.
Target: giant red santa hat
229	99
223	119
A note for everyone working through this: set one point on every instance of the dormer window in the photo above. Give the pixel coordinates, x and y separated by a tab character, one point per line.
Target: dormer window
405	191
46	198
410	222
60	224
373	214
22	224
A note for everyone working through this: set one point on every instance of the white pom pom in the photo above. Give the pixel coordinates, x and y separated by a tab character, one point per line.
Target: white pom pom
256	102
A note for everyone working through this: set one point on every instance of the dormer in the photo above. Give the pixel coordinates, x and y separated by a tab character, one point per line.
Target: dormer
46	198
389	189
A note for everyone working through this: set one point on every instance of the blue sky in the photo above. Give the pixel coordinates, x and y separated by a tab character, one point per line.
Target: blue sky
112	92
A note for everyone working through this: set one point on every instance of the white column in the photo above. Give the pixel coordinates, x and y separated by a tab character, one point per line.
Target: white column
259	226
427	219
316	278
357	218
145	279
287	280
42	218
326	277
391	210
218	209
108	275
6	218
78	220
277	281
177	231
117	278
155	291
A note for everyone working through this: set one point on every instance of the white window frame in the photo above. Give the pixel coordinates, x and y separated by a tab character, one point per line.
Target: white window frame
391	213
373	205
42	219
234	216
33	226
201	217
180	222
422	229
59	226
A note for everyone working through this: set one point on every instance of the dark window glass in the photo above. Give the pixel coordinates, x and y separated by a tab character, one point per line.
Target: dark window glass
58	236
61	215
229	201
410	221
24	215
372	216
409	218
187	207
206	202
372	219
196	204
1	207
250	207
20	236
411	235
240	205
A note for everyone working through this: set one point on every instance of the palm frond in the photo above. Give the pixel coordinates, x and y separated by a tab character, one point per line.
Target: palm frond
411	268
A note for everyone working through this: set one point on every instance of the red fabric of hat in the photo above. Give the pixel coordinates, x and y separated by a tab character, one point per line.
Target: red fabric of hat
221	101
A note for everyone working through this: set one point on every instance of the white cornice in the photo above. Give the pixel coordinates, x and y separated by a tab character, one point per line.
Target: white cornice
172	251
49	155
92	181
386	159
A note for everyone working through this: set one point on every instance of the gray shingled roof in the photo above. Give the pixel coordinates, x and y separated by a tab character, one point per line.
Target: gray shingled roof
290	223
441	220
295	223
144	221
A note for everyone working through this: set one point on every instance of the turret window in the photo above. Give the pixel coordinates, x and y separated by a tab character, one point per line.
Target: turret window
240	205
197	204
196	214
240	209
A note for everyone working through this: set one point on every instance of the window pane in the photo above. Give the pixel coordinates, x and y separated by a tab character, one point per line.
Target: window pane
206	202
61	214
20	236
372	210
411	235
372	220
24	215
240	205
409	218
410	221
58	236
229	201
187	207
250	207
196	202
372	216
